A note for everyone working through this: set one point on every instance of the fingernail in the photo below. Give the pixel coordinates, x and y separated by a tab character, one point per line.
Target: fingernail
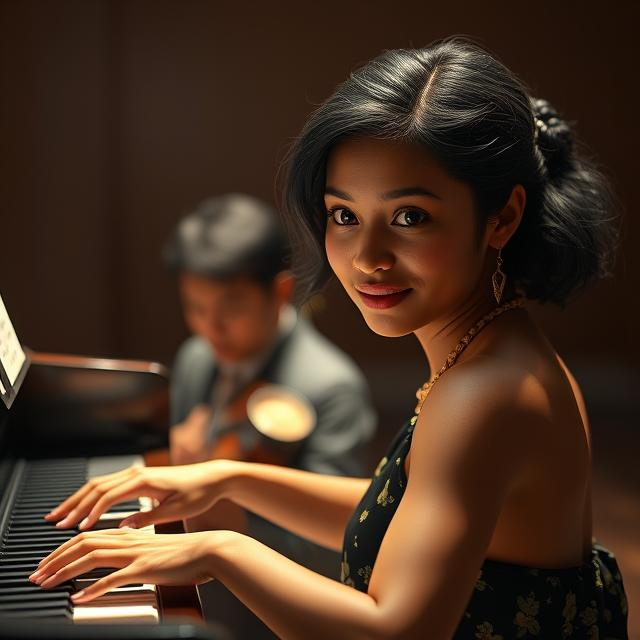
35	575
83	524
128	523
75	596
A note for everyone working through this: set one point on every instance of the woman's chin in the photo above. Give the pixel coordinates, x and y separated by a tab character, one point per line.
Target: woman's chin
386	327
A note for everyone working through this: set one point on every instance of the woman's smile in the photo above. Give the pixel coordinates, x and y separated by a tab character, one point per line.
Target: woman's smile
381	296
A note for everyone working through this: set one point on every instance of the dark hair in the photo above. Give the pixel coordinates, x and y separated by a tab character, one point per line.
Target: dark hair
480	122
227	236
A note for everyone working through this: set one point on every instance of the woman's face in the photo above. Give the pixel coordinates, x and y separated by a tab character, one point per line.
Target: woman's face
400	234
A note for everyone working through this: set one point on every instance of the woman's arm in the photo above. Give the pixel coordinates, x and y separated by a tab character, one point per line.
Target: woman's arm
466	458
311	505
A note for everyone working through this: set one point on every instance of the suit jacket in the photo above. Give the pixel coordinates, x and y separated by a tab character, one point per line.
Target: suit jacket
307	362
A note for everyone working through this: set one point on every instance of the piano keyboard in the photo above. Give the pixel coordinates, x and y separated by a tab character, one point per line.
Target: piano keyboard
27	538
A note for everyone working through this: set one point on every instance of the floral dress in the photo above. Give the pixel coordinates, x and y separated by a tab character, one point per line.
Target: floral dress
508	600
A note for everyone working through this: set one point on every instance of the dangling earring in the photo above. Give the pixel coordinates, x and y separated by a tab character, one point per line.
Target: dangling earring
498	279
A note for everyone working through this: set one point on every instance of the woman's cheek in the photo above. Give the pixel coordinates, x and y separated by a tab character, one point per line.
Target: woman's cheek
433	258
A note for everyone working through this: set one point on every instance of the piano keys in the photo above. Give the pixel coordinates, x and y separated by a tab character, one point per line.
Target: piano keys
75	418
27	538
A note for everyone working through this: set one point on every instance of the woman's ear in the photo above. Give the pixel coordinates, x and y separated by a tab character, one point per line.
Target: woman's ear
507	220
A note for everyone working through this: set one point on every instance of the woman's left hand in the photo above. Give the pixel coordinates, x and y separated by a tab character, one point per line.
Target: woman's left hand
137	556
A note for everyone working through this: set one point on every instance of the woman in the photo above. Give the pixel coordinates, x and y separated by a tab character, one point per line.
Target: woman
443	196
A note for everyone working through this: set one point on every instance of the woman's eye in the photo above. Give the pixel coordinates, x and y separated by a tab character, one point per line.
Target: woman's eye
342	216
409	218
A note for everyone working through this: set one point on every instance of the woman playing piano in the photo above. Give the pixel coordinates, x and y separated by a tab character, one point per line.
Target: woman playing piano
442	196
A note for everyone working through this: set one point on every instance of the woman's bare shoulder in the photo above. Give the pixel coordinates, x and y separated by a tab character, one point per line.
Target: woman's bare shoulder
490	381
486	400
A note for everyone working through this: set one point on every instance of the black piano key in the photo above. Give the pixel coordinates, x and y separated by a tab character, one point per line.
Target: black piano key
30	511
52	493
43	496
24	521
30	587
8	556
20	532
34	589
27	545
51	484
19	563
14	562
8	582
53	613
35	524
8	576
31	604
41	503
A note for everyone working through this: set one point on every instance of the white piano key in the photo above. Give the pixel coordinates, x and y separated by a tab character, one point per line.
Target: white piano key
115	614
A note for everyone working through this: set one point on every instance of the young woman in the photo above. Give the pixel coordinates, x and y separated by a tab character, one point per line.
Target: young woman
442	196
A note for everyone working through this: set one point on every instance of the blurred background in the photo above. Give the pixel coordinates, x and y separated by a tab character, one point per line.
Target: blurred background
117	117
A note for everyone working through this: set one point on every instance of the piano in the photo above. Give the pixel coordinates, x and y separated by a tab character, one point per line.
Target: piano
73	418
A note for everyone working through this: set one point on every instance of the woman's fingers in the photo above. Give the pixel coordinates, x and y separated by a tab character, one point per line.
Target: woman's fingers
82	543
137	556
84	505
127	575
71	502
85	563
167	511
132	488
71	510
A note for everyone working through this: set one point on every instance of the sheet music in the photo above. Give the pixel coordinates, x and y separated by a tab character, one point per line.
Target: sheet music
12	356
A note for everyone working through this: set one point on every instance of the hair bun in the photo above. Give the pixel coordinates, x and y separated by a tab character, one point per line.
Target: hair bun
553	136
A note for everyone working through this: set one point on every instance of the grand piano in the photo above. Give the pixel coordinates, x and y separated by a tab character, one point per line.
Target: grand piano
70	418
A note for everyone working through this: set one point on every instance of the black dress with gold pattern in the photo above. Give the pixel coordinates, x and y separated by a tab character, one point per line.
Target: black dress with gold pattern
508	600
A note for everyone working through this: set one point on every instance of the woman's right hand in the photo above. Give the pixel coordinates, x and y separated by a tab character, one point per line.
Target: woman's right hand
181	491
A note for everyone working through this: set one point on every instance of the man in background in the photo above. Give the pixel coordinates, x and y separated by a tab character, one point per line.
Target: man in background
231	258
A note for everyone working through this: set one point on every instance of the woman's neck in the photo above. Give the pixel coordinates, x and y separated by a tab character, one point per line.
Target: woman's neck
440	337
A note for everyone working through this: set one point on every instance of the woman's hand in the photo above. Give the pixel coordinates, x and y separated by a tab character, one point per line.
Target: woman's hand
182	492
138	556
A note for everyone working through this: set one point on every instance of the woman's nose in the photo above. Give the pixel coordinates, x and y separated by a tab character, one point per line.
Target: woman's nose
373	255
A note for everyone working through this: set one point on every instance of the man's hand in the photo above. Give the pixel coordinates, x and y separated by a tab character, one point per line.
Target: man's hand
188	439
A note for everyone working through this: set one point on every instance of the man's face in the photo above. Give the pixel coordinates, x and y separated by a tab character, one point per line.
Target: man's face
237	317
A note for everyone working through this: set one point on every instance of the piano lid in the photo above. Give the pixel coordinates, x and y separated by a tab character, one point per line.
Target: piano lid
14	361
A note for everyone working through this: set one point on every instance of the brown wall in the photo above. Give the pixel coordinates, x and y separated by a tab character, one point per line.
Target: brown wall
117	117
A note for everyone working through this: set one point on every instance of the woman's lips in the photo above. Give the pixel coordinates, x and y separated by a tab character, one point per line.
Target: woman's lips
381	296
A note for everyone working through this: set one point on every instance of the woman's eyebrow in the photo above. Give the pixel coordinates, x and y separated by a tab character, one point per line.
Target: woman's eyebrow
409	191
332	191
389	195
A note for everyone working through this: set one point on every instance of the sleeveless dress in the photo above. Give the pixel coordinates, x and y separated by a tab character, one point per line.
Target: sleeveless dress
508	600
